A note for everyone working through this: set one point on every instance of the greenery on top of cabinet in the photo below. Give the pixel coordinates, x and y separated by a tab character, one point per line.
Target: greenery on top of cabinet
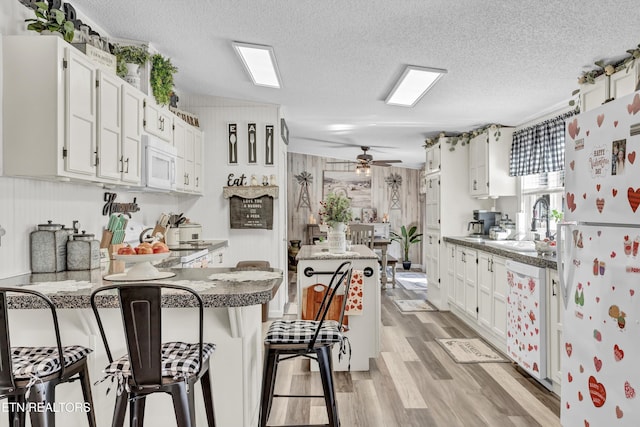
161	78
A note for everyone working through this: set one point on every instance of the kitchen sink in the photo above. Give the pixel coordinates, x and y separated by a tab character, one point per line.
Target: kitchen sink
516	245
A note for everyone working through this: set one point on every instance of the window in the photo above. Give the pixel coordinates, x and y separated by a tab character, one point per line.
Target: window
549	186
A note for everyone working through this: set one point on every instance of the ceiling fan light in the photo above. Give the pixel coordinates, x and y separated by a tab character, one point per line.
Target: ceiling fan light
413	84
260	63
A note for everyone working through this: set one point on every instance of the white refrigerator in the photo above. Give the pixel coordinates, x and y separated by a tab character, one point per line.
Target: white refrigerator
599	267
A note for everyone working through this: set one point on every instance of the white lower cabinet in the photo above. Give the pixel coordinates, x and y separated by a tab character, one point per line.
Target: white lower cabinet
448	259
432	256
555	313
492	290
466	280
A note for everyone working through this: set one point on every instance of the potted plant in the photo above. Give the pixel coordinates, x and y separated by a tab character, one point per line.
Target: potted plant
49	21
161	78
336	212
130	58
406	239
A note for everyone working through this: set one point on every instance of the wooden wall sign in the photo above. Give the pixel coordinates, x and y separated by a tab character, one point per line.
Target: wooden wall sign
233	144
252	143
251	213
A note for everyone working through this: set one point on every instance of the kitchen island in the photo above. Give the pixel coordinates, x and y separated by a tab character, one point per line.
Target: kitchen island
232	319
316	265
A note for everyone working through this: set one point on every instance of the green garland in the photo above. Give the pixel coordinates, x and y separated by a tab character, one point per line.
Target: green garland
463	138
161	77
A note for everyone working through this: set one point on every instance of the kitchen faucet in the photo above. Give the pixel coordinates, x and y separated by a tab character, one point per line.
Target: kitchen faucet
545	203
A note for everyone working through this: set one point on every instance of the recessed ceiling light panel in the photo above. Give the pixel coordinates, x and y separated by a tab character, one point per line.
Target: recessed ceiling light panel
260	63
413	84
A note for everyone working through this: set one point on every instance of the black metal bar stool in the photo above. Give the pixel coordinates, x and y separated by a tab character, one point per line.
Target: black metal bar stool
314	339
150	365
31	374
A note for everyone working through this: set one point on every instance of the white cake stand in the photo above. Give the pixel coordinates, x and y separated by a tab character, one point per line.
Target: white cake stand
142	268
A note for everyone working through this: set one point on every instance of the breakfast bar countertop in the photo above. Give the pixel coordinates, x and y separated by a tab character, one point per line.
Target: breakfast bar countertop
318	252
218	287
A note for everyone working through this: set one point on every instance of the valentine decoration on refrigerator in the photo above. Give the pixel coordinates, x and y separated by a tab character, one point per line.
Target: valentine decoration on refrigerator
599	267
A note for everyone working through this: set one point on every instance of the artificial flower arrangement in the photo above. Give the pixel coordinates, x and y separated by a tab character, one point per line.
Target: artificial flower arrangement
335	209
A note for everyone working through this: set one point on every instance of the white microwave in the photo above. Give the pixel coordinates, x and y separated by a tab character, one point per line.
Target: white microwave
159	165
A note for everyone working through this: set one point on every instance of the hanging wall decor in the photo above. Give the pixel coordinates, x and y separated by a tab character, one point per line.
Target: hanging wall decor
304	179
233	144
268	145
394	181
251	144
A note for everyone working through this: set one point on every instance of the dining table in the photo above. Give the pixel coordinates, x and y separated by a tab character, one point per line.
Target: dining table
382	243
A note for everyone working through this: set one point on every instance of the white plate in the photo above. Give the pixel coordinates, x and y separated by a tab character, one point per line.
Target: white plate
125	277
141	258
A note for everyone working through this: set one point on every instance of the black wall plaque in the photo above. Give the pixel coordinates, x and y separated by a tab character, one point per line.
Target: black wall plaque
251	213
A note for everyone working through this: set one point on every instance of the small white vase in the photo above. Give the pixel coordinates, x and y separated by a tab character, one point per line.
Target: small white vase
133	75
337	239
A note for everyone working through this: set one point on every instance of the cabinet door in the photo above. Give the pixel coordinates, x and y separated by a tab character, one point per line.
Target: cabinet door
500	290
132	117
80	104
555	309
594	95
109	122
433	159
189	159
485	289
197	156
450	276
433	202
179	136
459	283
478	165
623	83
158	121
433	258
471	282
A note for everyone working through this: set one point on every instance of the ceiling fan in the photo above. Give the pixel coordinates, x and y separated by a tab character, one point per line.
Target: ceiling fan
365	160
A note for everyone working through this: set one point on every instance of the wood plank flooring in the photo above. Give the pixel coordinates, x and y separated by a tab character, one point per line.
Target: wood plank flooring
414	382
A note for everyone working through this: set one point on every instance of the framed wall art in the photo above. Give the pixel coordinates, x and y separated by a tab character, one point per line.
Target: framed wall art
232	143
284	131
268	145
251	144
355	187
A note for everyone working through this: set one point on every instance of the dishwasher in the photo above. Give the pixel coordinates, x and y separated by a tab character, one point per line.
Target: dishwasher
526	319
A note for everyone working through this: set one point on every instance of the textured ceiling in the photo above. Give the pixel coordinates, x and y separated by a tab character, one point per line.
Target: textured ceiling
508	61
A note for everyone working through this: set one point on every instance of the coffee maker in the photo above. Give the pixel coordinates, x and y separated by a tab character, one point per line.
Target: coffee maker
482	221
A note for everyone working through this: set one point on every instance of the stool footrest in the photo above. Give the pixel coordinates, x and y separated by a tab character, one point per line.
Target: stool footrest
300	395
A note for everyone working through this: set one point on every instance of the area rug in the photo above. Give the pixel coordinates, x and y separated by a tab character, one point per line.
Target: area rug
412	305
412	281
469	350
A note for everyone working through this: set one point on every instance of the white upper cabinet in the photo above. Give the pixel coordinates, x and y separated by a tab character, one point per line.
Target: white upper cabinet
489	164
624	82
606	88
188	142
49	109
158	120
593	95
433	159
65	118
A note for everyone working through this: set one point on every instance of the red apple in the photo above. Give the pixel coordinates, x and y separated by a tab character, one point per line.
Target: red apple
159	248
126	250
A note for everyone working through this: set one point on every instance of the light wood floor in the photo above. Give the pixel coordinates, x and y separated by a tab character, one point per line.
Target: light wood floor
414	382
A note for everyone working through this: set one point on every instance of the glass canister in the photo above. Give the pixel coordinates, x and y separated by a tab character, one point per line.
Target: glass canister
48	248
83	252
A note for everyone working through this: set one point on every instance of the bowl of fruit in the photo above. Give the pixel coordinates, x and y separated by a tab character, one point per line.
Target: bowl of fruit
141	257
545	247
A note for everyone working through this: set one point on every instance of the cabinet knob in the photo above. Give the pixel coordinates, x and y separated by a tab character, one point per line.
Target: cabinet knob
127	162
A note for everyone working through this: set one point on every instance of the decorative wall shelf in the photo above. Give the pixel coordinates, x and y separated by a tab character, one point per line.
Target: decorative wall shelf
251	191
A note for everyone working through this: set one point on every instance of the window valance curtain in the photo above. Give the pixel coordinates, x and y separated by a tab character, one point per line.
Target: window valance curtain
539	148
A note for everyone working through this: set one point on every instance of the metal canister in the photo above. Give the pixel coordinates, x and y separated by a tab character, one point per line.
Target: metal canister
48	248
83	252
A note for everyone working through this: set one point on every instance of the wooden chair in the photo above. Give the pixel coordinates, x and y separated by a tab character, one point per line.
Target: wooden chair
362	234
150	365
313	339
259	265
36	371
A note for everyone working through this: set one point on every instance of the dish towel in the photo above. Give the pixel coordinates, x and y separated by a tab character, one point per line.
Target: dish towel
354	301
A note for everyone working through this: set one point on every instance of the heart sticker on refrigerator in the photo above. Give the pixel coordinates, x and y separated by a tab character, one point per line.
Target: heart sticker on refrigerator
629	391
634	198
597	391
615	124
569	348
613	254
600	119
634	107
597	363
600	205
614	192
571	204
572	164
631	157
619	412
598	187
618	353
574	129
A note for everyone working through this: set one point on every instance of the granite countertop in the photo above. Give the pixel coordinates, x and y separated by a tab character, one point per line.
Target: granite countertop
317	252
531	258
218	287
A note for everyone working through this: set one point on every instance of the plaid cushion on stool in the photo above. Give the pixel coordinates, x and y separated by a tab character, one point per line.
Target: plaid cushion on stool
302	331
42	361
178	359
